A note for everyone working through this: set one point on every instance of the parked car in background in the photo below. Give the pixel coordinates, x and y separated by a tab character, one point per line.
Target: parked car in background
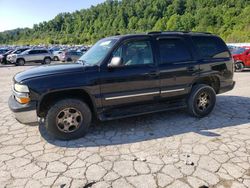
33	55
3	50
241	58
124	76
3	57
12	54
70	55
56	55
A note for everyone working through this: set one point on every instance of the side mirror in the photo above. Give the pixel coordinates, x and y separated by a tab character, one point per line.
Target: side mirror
115	62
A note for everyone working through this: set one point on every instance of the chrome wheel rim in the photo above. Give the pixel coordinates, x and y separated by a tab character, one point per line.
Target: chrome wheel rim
203	101
69	120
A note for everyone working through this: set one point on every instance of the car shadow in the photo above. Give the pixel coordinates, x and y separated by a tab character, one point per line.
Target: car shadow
229	111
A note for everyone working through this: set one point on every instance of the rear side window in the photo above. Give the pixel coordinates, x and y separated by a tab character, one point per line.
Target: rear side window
211	47
33	52
173	51
43	51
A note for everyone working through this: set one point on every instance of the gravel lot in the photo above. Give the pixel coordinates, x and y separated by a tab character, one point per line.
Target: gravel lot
169	149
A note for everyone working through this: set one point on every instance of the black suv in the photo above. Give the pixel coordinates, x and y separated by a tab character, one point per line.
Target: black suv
124	76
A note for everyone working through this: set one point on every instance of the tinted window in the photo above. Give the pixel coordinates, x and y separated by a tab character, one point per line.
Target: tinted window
43	51
135	53
33	52
211	47
173	50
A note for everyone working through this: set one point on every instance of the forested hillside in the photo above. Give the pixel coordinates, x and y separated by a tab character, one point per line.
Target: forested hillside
228	18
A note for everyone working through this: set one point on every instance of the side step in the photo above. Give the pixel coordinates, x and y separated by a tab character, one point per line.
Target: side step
137	110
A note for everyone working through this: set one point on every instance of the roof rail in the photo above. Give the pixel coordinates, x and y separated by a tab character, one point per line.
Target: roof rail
159	32
154	32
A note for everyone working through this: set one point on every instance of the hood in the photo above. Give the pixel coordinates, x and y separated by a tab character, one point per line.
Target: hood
47	70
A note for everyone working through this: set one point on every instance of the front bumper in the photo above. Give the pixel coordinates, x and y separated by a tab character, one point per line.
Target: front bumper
11	59
227	87
24	113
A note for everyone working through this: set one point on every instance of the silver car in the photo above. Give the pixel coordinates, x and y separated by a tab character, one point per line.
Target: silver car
70	55
33	55
12	54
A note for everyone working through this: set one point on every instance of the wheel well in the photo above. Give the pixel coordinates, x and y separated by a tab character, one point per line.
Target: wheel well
20	58
51	98
47	58
212	81
240	61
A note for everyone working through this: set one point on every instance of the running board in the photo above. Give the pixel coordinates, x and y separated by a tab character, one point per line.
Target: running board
138	110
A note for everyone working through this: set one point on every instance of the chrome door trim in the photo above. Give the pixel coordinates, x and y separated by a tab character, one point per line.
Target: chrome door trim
174	90
134	95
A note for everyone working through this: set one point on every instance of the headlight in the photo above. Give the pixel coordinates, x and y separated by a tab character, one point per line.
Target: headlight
21	88
21	93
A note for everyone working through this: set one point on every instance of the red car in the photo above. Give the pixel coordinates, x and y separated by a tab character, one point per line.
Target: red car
241	58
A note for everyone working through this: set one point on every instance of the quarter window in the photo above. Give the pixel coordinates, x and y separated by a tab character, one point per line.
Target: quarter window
173	50
135	53
211	47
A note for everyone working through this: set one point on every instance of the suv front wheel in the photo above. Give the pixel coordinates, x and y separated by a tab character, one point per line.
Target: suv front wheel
68	119
20	62
201	101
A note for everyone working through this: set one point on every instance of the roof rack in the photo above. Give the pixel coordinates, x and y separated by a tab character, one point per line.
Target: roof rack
159	32
154	32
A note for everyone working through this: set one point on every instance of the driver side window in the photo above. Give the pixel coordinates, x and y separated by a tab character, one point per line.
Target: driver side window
135	53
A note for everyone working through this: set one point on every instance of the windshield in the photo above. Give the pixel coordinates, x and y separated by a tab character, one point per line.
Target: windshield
24	52
238	51
97	52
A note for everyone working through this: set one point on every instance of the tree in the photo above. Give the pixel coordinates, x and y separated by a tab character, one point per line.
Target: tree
227	18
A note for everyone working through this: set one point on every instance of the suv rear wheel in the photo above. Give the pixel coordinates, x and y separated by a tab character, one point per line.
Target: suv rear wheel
201	101
20	62
68	119
46	60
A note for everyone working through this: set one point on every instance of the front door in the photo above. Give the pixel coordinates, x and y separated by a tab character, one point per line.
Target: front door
136	81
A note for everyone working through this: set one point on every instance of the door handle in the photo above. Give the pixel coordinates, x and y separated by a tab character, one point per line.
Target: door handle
152	74
191	69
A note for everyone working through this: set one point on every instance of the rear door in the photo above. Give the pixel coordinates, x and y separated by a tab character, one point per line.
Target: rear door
136	81
41	55
177	65
31	56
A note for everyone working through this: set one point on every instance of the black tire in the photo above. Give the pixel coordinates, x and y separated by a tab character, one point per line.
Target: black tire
55	129
69	59
47	60
197	106
239	66
56	58
20	62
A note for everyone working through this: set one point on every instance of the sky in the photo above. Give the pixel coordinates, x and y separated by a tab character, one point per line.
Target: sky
25	13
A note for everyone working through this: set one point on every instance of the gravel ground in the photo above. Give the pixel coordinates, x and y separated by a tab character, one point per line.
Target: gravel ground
169	149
